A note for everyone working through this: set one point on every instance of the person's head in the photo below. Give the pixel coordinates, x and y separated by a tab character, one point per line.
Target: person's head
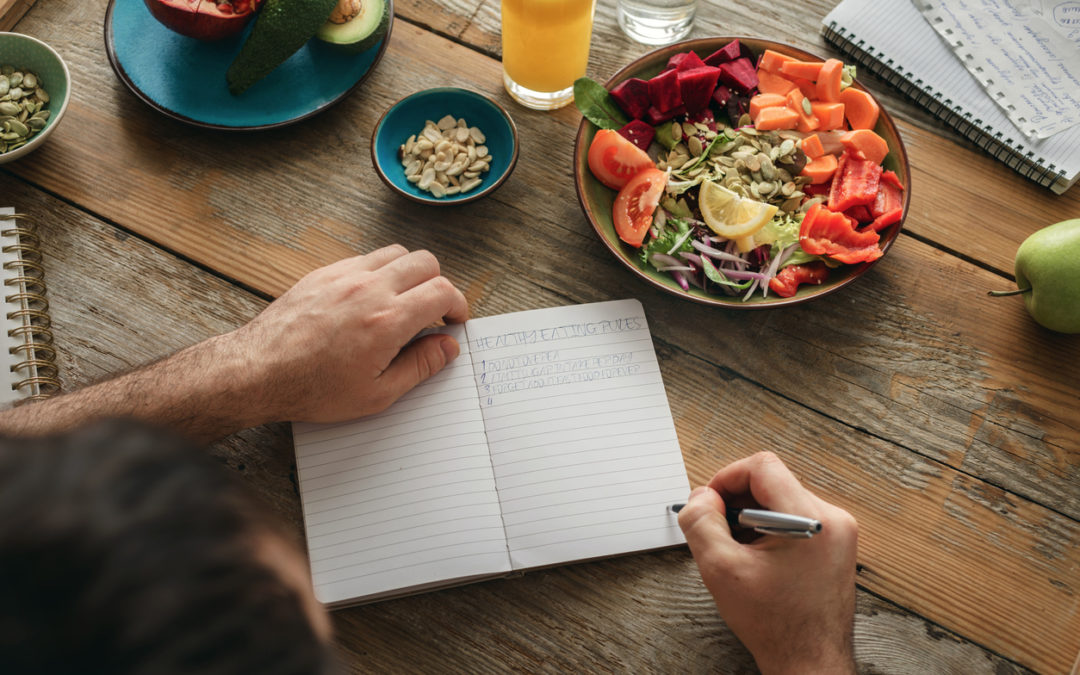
125	550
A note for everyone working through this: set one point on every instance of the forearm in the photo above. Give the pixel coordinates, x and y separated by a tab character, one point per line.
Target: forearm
203	392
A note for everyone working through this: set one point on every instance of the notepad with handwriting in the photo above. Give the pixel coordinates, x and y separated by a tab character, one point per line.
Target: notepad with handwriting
549	440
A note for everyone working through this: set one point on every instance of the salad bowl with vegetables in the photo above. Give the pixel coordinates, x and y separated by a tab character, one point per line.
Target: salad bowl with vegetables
740	172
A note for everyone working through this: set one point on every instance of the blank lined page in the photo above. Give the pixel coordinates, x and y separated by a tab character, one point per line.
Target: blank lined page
580	433
405	498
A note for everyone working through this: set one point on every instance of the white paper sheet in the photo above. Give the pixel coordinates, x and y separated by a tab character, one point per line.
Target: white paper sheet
404	498
581	436
1020	51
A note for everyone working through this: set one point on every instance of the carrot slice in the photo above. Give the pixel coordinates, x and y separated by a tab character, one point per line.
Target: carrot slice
867	144
777	117
812	147
807	70
861	108
770	83
761	101
799	103
808	88
828	82
772	61
830	114
821	169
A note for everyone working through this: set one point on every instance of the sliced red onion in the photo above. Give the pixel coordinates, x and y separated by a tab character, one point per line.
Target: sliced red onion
717	253
681	240
675	268
743	275
663	259
753	287
692	278
692	257
681	279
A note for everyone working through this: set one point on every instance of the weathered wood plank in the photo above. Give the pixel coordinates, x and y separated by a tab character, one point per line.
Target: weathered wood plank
118	302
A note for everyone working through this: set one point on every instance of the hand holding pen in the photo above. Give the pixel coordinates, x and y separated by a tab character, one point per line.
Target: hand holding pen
790	602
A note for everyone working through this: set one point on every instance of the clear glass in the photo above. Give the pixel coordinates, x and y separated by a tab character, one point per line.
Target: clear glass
656	22
545	47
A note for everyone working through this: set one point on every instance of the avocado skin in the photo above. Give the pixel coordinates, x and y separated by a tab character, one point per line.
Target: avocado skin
372	39
281	28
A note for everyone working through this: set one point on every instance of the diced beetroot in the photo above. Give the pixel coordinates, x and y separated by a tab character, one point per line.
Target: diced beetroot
639	133
654	116
684	61
696	87
632	96
728	52
721	96
739	75
704	116
664	91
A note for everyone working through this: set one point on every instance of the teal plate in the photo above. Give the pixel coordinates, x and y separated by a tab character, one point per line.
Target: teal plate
184	78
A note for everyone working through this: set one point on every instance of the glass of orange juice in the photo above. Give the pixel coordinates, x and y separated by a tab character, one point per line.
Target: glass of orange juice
545	47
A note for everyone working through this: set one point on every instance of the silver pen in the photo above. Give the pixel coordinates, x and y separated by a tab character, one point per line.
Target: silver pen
769	522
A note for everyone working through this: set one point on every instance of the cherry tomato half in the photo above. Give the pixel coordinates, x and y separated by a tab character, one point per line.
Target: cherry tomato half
635	204
615	160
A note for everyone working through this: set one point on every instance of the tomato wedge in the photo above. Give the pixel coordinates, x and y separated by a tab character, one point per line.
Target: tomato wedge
615	160
635	204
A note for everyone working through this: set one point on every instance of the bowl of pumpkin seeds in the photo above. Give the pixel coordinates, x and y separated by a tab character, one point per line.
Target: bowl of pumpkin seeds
34	93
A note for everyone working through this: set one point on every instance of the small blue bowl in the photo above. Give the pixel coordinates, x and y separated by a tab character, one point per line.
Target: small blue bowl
408	116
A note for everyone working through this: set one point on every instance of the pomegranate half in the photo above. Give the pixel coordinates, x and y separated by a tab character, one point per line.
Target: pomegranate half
204	19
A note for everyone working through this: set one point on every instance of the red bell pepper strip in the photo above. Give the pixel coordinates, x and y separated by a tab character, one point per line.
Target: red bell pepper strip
891	178
827	233
888	199
855	182
886	219
860	213
787	280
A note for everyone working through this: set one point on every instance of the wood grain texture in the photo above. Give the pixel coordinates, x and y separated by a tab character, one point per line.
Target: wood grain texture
13	10
910	397
638	613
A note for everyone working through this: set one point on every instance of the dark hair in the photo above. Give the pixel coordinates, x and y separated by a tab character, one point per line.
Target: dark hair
126	550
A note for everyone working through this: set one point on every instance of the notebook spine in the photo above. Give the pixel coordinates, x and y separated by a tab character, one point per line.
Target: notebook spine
37	375
1003	148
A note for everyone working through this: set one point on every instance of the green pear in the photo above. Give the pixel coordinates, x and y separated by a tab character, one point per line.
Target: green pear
1048	275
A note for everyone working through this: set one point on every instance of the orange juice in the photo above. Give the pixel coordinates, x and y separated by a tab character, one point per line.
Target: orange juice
545	46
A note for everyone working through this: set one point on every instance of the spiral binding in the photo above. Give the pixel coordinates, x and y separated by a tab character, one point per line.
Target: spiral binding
35	354
1002	148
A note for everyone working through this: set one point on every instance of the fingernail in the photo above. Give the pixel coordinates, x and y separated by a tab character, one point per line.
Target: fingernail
450	348
697	492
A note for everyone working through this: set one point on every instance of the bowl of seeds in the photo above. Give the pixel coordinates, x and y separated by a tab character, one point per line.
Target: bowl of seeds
444	146
34	93
731	171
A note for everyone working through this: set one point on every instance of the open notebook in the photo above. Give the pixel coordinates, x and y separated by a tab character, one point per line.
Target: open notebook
549	440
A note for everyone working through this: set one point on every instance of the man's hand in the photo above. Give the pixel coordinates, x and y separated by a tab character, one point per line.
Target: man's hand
331	348
790	601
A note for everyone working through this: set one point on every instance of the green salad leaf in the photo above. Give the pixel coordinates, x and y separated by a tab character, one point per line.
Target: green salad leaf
597	105
675	231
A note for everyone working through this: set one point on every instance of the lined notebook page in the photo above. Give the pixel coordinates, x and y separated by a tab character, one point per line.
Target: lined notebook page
897	35
405	498
580	433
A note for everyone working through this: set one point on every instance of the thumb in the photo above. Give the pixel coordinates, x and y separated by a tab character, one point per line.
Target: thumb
703	522
417	362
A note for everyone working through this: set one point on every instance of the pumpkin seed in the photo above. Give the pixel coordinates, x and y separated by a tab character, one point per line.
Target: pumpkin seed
29	81
806	107
694	144
676	132
15	79
787	147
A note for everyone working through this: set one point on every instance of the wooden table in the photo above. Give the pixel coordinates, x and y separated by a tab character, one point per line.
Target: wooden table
946	421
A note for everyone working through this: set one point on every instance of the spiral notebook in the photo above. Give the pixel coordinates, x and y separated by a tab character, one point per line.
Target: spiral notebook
549	440
891	39
29	357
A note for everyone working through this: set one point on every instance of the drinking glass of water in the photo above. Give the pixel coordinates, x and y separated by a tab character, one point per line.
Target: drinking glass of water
656	22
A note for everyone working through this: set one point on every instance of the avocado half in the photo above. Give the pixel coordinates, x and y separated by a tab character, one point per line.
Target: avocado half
356	25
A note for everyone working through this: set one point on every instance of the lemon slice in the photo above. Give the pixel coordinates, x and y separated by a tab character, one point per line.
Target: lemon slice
732	216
